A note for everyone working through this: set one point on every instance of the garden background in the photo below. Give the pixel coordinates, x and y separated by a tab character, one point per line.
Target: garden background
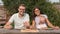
46	7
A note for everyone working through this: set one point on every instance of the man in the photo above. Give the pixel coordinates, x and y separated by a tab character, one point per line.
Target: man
20	19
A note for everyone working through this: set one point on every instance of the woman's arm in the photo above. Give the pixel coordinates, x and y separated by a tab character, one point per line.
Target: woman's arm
48	23
33	24
51	25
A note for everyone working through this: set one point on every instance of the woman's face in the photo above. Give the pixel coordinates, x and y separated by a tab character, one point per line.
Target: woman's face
37	12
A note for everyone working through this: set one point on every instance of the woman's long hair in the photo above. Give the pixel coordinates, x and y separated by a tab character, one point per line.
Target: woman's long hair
34	15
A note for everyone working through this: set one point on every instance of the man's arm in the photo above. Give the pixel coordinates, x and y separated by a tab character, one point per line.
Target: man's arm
8	24
27	25
26	22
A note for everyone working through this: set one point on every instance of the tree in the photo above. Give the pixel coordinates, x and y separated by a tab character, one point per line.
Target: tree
46	8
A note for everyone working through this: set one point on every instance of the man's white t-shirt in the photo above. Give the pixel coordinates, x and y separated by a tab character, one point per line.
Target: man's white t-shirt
19	22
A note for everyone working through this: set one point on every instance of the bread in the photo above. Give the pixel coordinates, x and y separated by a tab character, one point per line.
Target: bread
29	30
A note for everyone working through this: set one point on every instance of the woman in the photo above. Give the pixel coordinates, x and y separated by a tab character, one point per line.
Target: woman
41	21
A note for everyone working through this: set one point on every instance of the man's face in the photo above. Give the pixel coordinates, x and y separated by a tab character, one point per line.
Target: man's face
21	10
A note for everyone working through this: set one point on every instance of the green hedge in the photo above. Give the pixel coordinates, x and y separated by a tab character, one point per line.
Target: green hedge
46	7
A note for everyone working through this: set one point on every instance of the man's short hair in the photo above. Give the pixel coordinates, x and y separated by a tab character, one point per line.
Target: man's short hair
22	5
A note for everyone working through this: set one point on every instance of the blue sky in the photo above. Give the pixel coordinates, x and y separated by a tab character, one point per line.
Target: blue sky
54	1
1	3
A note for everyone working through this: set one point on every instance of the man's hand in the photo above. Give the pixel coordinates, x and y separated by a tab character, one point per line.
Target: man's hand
8	26
27	25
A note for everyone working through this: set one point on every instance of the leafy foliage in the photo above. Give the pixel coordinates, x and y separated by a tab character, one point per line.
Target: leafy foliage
46	7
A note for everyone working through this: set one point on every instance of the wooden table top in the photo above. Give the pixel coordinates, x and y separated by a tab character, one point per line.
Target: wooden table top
14	31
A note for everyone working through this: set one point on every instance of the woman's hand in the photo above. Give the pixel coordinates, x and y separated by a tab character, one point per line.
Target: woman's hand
56	28
32	27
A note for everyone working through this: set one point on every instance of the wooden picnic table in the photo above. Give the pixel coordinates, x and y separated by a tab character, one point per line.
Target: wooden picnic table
14	31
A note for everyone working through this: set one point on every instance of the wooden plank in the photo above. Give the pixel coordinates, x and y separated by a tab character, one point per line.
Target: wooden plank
14	31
